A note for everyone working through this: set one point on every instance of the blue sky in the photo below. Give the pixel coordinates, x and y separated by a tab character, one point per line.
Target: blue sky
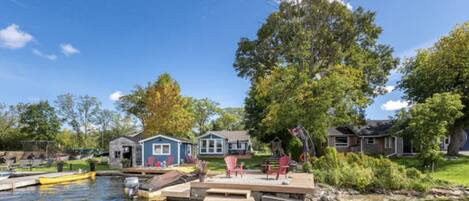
101	47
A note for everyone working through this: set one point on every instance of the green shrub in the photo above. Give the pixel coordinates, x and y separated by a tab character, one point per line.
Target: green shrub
307	167
365	173
295	148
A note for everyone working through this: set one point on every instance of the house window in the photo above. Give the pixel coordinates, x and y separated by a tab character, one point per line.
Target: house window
117	154
341	141
203	147
388	142
189	150
211	146
161	149
370	140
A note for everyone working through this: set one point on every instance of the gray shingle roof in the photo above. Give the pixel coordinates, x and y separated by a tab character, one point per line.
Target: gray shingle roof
376	128
341	130
232	135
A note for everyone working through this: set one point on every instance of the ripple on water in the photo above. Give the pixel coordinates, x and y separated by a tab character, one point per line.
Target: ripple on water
101	189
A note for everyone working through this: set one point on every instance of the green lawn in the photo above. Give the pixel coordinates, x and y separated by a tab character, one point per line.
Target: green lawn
218	164
452	170
74	164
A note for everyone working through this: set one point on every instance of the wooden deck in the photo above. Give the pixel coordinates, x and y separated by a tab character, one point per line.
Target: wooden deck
18	182
296	183
154	170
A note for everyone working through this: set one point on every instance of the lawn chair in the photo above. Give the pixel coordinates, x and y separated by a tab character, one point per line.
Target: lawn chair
150	161
282	167
158	164
190	159
231	166
169	161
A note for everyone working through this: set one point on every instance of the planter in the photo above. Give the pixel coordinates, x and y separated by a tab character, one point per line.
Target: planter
92	167
60	167
202	177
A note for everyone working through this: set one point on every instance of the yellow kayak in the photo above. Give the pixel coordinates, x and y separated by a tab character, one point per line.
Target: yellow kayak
66	178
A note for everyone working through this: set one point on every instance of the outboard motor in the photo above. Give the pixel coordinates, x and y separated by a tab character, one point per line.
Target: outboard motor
131	183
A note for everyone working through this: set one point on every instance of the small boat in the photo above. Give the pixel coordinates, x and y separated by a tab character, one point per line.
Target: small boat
66	178
4	175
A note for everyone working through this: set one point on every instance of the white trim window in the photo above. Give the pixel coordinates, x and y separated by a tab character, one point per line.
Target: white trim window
163	149
370	140
211	146
388	142
341	141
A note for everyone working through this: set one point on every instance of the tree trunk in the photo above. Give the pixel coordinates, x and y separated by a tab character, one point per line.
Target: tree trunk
457	138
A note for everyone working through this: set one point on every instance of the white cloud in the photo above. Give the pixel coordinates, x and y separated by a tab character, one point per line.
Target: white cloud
115	96
51	57
68	49
12	37
394	105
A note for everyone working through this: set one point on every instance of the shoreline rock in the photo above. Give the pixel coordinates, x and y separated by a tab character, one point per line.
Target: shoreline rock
326	192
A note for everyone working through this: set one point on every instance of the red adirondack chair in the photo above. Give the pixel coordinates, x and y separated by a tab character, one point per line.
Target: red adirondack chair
150	161
231	166
282	167
169	161
158	164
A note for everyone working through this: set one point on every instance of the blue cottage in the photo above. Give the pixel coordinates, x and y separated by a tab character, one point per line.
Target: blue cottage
161	148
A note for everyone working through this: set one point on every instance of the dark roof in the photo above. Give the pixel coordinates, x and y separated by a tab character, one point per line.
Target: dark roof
232	135
134	137
376	128
341	130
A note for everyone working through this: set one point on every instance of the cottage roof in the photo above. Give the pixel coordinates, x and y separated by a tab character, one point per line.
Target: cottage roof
231	135
376	128
135	137
341	130
177	139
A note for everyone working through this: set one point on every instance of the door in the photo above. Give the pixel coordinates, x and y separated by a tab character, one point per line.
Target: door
127	154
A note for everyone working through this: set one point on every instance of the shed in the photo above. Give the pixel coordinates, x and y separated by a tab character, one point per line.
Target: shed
125	147
161	147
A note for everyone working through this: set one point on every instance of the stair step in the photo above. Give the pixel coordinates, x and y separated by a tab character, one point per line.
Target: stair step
229	198
228	192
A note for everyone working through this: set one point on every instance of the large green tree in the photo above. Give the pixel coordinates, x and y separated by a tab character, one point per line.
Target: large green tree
80	113
314	63
167	109
429	121
231	118
203	110
135	103
40	121
10	127
438	69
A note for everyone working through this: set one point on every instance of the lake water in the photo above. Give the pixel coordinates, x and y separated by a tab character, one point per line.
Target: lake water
100	189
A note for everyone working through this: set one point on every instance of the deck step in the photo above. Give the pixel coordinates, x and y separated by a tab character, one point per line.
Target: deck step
225	198
227	194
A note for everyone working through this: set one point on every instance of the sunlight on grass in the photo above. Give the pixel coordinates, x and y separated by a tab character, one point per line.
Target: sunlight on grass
453	170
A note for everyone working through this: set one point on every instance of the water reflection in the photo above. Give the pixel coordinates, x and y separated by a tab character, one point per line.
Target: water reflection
100	189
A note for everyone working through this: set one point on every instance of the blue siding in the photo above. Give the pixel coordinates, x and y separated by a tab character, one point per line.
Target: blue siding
466	145
148	149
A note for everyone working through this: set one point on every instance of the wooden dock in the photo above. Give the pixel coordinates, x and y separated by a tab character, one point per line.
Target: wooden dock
297	183
154	170
18	182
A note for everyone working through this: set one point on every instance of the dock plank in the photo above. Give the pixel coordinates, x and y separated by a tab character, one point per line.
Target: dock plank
18	182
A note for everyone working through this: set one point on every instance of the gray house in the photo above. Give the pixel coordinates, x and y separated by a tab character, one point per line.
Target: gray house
374	138
125	147
221	143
